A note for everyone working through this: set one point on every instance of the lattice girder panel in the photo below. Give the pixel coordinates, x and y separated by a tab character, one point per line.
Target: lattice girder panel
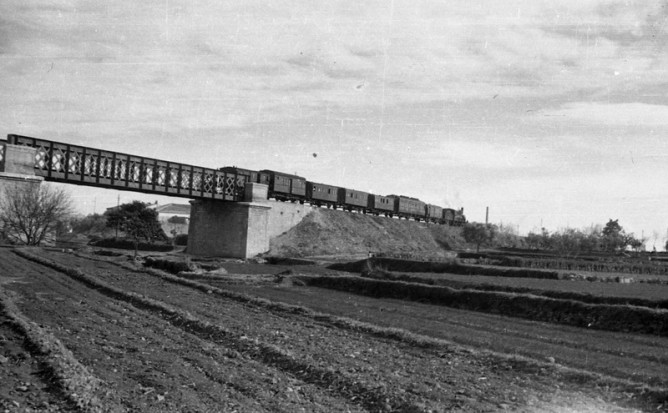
160	175
61	162
42	157
173	179
185	179
74	162
196	183
90	170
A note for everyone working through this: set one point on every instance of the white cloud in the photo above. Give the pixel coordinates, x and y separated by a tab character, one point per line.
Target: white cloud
612	114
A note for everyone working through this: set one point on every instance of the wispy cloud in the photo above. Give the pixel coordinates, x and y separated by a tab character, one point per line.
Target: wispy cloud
613	114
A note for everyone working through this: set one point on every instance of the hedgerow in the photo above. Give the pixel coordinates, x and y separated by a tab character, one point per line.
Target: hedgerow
127	244
623	318
564	295
451	267
649	267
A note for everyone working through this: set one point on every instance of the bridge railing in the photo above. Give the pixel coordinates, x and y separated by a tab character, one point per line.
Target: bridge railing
82	165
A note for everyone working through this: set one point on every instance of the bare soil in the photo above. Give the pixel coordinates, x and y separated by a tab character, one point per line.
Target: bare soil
253	357
325	232
26	385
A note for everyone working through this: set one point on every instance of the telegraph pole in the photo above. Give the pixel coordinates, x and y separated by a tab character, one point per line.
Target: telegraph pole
118	203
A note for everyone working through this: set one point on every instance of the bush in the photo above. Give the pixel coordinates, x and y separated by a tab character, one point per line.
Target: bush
128	244
288	261
472	255
181	240
173	267
107	253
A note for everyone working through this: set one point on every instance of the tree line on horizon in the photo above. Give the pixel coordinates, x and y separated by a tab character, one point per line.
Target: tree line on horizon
28	216
610	238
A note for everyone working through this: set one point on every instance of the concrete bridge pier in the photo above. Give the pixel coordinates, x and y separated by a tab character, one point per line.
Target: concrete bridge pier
17	167
230	229
240	229
16	171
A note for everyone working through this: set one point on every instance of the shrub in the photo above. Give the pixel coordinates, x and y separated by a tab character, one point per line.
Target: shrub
288	261
181	240
173	267
128	244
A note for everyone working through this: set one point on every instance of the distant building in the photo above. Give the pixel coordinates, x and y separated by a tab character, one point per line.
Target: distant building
174	218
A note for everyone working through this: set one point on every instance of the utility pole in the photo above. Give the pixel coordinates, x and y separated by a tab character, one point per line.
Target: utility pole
486	215
118	205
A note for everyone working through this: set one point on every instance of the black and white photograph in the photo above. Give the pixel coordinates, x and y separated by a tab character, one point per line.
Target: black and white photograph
342	206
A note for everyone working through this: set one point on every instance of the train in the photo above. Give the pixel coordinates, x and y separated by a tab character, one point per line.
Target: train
294	188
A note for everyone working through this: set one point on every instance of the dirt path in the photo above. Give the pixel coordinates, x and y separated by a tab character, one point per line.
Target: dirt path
146	362
426	378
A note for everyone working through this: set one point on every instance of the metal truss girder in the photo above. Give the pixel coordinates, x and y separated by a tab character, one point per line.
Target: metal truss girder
61	162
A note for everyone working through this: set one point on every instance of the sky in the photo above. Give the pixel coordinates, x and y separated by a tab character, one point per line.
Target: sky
551	113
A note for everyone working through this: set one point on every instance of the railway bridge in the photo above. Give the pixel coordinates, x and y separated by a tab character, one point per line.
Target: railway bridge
229	217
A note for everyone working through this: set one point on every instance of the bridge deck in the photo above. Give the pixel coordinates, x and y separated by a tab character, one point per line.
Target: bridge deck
81	165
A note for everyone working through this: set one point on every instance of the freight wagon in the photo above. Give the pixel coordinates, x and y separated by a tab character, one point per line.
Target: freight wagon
288	187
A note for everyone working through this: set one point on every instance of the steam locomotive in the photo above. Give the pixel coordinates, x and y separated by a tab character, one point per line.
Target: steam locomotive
287	187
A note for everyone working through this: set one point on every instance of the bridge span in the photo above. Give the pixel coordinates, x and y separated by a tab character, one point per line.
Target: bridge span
230	217
80	165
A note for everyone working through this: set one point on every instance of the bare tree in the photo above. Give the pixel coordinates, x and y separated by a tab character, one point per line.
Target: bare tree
28	214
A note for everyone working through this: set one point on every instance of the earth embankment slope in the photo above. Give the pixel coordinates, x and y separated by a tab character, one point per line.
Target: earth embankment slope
331	232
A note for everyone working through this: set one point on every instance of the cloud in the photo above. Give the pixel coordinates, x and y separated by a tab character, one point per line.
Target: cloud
612	114
408	52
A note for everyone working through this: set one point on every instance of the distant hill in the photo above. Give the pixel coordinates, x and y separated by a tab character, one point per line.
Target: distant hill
325	232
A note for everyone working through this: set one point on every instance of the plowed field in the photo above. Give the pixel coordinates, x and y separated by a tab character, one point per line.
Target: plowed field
164	346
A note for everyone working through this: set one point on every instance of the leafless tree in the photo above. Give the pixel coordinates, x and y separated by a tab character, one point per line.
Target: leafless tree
28	214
